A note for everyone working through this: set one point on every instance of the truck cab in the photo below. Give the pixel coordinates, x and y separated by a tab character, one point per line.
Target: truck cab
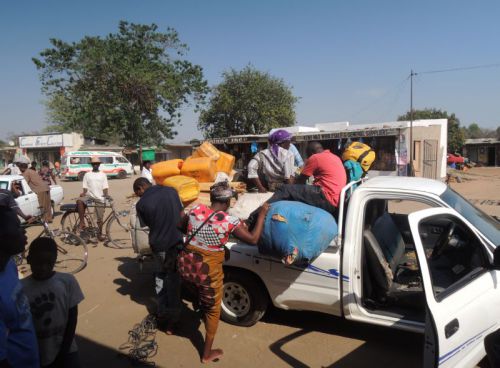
410	254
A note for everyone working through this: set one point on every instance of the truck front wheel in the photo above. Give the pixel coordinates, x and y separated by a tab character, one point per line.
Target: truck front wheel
244	300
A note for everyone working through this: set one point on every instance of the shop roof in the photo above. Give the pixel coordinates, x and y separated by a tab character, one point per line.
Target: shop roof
482	141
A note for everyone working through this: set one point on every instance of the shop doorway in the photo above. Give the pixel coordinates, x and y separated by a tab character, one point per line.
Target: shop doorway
492	156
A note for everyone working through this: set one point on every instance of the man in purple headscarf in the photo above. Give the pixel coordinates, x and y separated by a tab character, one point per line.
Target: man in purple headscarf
274	165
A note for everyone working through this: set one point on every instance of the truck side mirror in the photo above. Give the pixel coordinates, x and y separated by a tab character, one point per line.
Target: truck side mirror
496	258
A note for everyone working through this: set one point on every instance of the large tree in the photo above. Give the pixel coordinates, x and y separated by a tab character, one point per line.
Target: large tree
456	135
128	86
247	102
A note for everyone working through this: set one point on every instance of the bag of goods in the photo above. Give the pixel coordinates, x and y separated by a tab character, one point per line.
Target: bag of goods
247	203
361	153
139	234
164	169
187	188
297	226
207	149
201	168
225	163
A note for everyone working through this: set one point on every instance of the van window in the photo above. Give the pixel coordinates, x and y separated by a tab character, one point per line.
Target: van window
106	159
122	160
79	160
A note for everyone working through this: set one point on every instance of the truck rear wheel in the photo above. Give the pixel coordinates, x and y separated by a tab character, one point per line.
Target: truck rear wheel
244	300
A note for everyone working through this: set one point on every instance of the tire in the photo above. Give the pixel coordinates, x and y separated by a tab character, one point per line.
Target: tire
244	299
72	253
71	221
118	234
81	174
122	174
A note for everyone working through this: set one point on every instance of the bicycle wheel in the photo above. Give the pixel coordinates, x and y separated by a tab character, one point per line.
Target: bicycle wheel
118	234
72	253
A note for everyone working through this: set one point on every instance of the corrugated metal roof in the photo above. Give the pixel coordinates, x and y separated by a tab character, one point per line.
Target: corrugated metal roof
482	141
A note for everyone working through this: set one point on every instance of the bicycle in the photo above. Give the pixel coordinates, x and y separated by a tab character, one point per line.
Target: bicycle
72	252
115	230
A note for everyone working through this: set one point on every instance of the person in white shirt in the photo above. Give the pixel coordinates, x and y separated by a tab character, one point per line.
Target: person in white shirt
273	166
95	191
146	171
11	169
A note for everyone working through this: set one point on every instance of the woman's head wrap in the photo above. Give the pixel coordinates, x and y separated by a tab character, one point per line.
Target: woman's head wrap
221	192
278	137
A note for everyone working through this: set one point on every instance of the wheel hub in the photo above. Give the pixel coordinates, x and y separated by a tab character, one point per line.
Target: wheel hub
235	300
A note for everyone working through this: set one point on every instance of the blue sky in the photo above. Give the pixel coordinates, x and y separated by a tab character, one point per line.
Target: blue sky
346	60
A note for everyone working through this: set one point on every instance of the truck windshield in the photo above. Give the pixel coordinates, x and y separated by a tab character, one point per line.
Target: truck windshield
487	225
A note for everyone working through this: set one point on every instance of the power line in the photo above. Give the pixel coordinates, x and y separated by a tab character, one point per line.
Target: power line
484	66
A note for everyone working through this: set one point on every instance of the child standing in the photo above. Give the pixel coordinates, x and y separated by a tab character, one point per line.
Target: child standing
54	299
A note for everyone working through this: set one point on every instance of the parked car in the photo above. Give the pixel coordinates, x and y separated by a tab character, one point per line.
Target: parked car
411	254
75	164
27	200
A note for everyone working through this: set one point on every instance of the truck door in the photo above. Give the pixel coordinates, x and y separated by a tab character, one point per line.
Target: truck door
461	289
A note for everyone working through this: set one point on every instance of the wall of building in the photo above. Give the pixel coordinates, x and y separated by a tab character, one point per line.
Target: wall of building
478	153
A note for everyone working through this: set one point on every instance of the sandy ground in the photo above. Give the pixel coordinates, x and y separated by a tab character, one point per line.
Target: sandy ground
118	295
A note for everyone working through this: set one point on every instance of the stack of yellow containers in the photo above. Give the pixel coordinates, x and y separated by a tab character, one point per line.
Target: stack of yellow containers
201	167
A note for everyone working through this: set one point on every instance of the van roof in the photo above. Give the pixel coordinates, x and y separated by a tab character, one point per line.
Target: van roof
92	153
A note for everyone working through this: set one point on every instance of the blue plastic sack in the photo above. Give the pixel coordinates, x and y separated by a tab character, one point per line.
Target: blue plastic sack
294	224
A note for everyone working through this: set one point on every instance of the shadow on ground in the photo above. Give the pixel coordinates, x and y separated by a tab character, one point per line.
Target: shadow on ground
388	347
139	286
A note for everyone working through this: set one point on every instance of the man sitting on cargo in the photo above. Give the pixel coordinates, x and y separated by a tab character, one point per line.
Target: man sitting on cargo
273	166
329	179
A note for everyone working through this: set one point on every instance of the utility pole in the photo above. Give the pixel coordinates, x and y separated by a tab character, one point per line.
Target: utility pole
411	123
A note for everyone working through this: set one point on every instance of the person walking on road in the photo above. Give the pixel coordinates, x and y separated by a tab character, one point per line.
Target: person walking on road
95	191
160	209
38	186
200	262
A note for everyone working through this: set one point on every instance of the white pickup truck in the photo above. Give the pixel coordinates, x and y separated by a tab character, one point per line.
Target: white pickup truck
410	254
28	201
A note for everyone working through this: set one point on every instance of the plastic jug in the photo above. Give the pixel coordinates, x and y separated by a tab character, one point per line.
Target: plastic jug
207	149
225	163
164	169
202	169
187	188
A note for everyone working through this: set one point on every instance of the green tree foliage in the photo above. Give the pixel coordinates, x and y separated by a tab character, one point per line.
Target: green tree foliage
456	135
129	86
474	131
247	102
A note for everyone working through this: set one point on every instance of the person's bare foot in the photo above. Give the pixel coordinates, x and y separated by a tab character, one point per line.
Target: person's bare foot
213	356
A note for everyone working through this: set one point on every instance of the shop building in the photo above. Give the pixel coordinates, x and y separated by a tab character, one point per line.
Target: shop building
49	146
483	151
390	141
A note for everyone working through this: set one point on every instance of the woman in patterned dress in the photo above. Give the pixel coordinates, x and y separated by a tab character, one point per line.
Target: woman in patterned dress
200	262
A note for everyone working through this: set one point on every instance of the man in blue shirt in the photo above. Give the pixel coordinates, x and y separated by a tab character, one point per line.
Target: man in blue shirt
18	344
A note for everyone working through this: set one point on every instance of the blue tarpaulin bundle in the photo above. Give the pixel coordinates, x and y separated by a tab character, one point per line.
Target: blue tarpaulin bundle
294	224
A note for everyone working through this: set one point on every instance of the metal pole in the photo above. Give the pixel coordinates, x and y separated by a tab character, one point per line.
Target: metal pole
411	123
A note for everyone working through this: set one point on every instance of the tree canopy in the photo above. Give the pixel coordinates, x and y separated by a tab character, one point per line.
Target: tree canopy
456	135
128	86
247	102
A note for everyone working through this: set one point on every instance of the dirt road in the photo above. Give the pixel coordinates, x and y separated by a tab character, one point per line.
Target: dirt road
118	295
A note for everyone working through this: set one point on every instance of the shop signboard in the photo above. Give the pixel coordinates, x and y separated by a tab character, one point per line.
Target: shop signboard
41	141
